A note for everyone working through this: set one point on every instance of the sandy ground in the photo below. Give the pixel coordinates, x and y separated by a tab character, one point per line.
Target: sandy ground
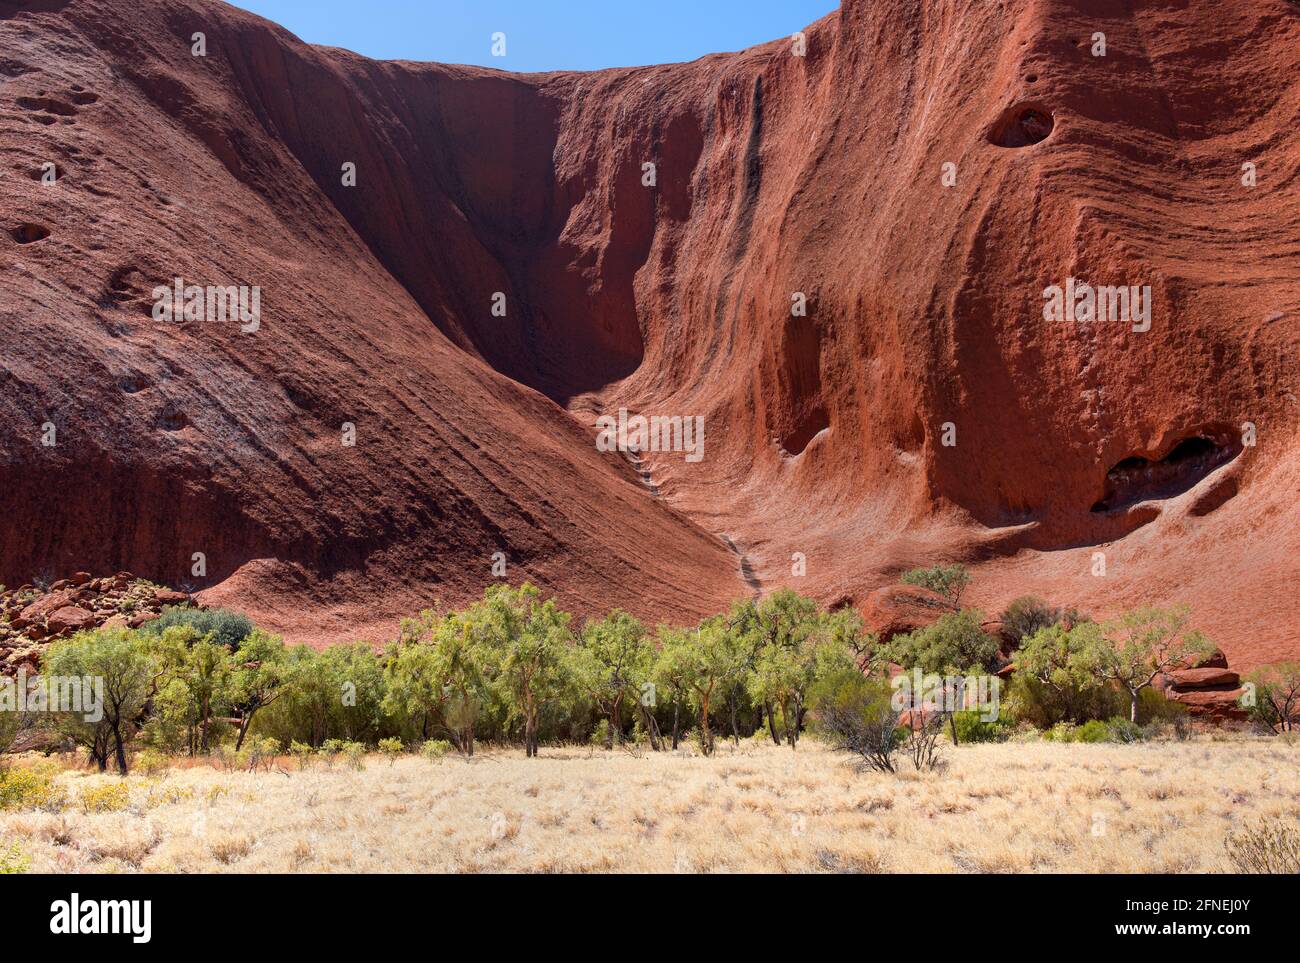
1031	807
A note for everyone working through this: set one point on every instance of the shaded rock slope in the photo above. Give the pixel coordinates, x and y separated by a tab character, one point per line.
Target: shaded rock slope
924	408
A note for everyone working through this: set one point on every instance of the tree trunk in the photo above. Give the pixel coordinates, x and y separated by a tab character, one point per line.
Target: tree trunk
735	732
1133	708
651	728
119	749
706	734
771	722
676	727
952	725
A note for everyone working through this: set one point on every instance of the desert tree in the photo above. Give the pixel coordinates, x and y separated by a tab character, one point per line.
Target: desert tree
956	642
857	715
949	581
257	679
704	662
1067	664
1143	644
194	679
531	642
123	664
1277	695
614	661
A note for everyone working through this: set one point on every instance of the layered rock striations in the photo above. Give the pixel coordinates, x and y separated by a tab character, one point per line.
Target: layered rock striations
839	261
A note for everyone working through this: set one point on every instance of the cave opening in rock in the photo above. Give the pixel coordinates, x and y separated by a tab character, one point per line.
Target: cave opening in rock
29	233
1137	479
1022	126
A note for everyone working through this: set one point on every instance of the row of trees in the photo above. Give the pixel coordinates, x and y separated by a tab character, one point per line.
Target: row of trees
513	666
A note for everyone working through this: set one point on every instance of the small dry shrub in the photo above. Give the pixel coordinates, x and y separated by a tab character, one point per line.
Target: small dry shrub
1269	847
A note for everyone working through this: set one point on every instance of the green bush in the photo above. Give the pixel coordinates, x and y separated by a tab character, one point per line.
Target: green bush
1026	615
31	787
955	643
355	754
226	627
392	748
1094	730
950	581
971	727
1154	707
302	752
1061	732
1121	730
12	860
435	749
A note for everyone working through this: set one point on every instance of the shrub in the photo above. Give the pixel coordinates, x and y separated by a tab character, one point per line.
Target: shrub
226	627
1269	847
1026	615
435	749
12	860
972	727
150	762
1061	732
1094	730
111	797
355	754
31	787
302	752
956	642
1121	730
600	734
1030	700
950	581
1154	707
260	752
392	748
857	715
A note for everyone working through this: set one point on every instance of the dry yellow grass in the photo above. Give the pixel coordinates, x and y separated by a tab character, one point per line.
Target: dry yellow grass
1032	807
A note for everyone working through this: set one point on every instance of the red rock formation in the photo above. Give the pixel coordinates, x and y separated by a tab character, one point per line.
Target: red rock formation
776	174
31	618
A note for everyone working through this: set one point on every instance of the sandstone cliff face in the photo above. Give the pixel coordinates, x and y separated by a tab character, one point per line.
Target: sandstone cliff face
775	175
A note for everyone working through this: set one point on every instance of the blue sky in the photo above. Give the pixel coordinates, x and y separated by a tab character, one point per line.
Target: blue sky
541	34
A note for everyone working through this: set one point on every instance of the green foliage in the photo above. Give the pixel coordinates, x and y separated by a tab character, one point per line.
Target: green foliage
1154	707
302	752
392	748
1276	705
123	660
1124	731
613	664
1094	730
12	860
972	727
856	714
1058	677
1142	644
435	749
954	644
950	581
221	626
1028	615
354	754
31	787
109	797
